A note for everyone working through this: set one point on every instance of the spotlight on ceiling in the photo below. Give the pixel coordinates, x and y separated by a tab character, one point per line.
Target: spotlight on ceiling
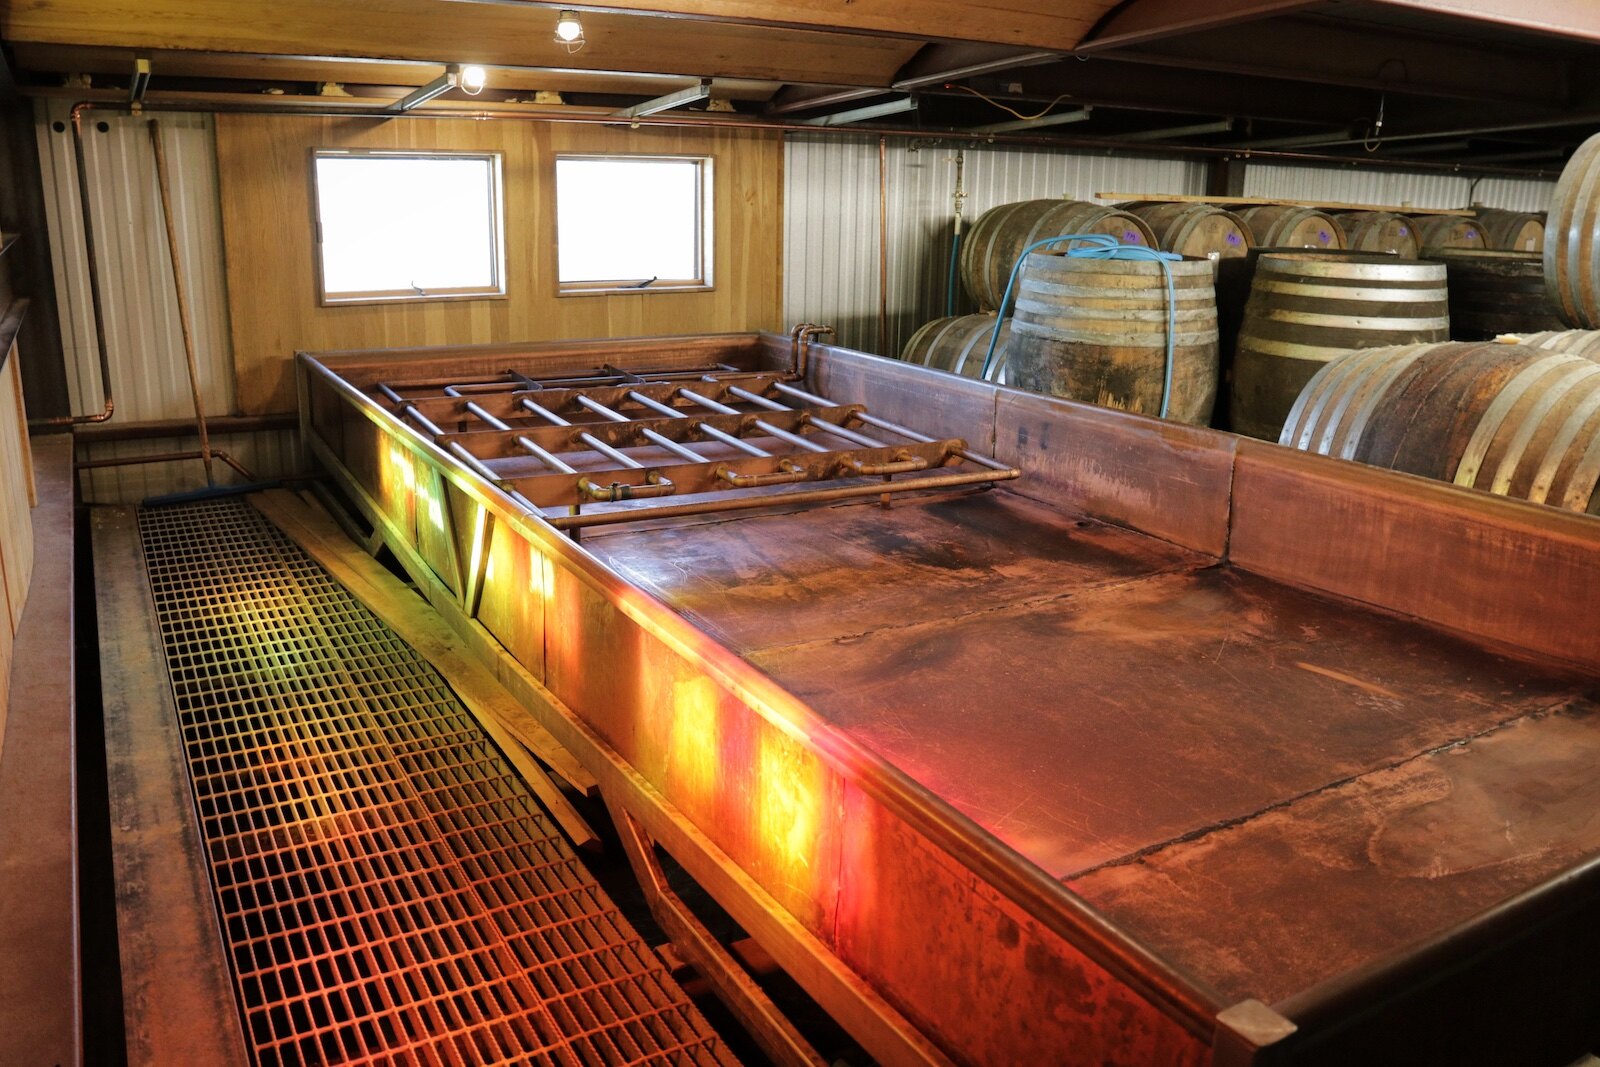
569	30
473	79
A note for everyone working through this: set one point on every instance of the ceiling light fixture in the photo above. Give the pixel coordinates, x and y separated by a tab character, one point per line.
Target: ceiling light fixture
473	79
569	30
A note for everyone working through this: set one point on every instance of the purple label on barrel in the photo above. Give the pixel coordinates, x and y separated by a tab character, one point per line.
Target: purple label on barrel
1234	239
1323	236
1405	232
1131	237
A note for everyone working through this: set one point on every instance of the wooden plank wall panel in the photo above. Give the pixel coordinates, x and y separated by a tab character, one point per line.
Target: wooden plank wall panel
263	166
16	495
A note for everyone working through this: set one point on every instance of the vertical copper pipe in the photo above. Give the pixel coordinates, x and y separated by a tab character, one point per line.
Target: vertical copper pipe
883	246
183	298
87	214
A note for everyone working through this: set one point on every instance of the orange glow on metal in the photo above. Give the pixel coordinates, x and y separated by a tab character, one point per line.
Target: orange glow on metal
480	545
694	746
788	799
397	476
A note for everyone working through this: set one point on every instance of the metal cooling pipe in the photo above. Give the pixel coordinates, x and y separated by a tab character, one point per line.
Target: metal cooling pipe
182	294
87	213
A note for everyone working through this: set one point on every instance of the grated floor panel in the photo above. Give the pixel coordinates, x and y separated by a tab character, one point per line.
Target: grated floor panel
388	888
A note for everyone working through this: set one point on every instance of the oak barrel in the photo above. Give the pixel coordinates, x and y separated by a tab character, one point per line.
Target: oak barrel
959	345
1511	231
1380	231
1449	231
993	245
1200	231
1508	419
1492	293
1572	239
1584	343
1306	309
1096	330
1287	226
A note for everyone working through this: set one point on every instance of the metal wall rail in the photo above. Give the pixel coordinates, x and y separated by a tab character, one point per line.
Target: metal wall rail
389	892
614	436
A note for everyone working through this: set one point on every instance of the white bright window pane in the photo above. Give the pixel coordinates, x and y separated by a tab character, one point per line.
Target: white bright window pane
403	224
626	220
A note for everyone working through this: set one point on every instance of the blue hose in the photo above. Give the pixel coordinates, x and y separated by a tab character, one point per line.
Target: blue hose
1099	246
950	281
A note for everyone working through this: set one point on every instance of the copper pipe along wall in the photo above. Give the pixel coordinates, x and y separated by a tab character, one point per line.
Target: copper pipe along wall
93	262
883	246
182	294
170	428
164	457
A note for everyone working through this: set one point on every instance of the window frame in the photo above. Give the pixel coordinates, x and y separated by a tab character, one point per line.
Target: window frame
705	234
496	290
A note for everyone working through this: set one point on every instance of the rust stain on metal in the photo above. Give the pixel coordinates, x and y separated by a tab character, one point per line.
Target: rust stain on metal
1350	679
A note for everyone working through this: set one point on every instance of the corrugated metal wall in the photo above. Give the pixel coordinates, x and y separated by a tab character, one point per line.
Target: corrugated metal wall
1354	185
141	316
831	214
831	220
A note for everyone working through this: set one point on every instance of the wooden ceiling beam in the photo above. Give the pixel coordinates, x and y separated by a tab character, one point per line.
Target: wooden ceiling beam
440	31
1142	21
1329	51
258	69
1053	25
1573	19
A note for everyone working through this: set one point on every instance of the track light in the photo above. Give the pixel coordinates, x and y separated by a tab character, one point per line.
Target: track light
473	79
569	30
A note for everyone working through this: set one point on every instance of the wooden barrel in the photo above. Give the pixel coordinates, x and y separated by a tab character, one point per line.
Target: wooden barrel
1201	231
1492	293
1584	343
1096	331
1286	226
1000	235
1572	239
1509	419
1511	231
1380	231
1306	309
960	345
1449	231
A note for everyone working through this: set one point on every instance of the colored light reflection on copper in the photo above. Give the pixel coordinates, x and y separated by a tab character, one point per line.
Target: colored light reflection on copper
788	799
693	750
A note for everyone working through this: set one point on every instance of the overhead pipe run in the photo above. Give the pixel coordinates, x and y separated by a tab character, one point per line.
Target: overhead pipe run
1060	118
325	107
861	114
691	95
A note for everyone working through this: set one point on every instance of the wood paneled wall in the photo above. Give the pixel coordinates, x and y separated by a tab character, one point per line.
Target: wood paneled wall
263	164
16	516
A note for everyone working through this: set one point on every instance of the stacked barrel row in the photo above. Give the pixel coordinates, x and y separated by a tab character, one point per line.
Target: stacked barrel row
1105	327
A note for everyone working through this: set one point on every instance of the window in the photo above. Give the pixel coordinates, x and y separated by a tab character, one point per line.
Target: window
408	225
633	222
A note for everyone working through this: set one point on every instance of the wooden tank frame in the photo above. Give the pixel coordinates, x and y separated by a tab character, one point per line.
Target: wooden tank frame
924	936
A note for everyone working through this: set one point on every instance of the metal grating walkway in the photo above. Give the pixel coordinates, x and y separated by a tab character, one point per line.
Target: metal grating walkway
388	888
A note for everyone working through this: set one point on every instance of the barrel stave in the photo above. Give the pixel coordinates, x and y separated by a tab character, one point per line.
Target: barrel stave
1095	331
1307	309
1511	419
1001	235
